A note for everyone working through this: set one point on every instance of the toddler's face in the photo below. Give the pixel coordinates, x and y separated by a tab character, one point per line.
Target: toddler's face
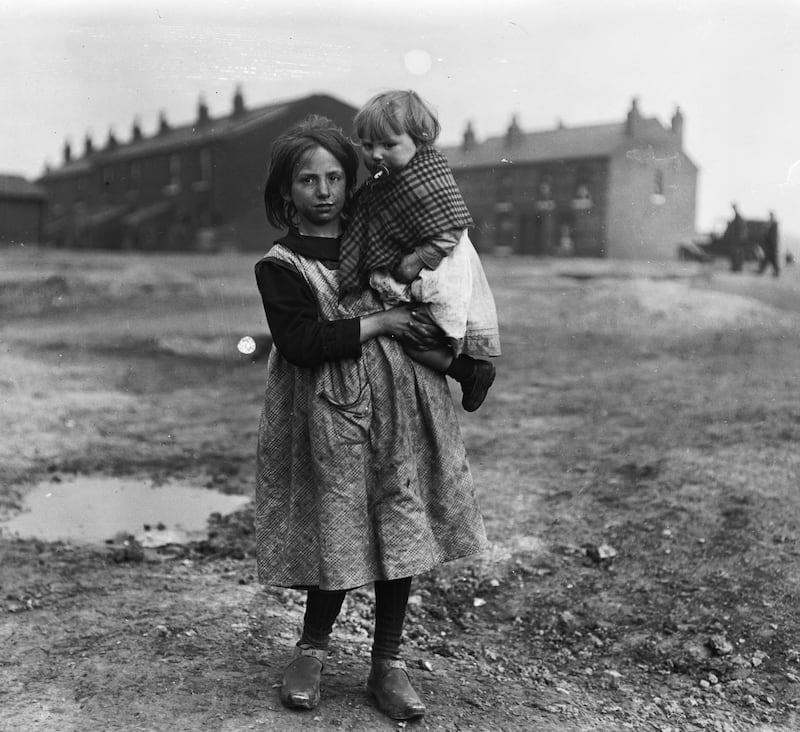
395	152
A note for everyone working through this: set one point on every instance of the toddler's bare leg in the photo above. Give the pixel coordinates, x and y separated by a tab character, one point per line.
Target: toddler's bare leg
475	375
438	359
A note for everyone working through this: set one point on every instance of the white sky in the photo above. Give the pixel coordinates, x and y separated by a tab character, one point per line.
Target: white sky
733	67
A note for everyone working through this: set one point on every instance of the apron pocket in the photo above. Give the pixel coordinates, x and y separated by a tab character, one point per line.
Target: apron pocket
350	420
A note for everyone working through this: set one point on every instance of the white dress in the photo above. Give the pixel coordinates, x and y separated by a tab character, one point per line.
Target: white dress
458	296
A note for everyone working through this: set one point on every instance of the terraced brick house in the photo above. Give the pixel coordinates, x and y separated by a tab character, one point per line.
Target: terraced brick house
197	186
22	210
623	189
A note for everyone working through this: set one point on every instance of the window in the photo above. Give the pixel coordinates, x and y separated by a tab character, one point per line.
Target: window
134	175
108	184
174	185
545	190
205	165
505	187
544	195
175	170
657	197
583	198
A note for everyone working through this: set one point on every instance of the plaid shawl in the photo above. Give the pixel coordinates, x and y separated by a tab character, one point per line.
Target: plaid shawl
395	213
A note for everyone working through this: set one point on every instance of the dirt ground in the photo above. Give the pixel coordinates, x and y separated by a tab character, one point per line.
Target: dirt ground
637	464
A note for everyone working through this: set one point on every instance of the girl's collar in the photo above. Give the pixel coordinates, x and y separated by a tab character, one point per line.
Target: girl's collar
313	247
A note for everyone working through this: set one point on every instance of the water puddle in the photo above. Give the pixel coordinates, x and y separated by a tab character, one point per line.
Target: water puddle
96	509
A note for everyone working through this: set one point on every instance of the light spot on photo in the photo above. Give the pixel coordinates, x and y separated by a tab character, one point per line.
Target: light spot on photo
417	61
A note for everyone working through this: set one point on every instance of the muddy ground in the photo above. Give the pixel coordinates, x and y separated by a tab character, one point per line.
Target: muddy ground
637	464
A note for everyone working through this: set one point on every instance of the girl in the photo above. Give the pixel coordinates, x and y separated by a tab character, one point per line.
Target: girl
408	239
362	476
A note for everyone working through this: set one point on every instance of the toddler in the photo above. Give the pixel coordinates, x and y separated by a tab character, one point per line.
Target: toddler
407	238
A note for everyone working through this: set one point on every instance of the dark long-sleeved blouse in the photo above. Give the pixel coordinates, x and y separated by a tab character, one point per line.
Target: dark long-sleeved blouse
298	330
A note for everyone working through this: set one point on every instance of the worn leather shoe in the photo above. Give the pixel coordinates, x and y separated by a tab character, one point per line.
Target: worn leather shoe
300	688
389	683
477	386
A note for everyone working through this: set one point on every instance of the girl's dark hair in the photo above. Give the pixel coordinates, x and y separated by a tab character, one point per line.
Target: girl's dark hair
395	112
290	150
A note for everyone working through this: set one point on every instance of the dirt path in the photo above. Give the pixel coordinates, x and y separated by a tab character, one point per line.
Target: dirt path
638	470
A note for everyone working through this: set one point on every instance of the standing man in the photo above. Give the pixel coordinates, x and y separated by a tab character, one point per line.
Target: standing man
771	247
737	231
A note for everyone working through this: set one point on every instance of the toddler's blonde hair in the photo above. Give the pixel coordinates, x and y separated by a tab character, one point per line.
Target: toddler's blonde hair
396	112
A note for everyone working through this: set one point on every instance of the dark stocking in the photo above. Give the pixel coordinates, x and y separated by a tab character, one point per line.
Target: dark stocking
322	609
391	599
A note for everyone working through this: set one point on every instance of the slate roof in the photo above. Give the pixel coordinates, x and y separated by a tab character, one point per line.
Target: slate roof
179	137
194	134
562	143
15	186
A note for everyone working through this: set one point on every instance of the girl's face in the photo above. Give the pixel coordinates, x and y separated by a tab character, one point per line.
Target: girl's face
318	192
394	151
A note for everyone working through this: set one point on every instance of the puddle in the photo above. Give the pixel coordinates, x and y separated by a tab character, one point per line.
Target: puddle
93	510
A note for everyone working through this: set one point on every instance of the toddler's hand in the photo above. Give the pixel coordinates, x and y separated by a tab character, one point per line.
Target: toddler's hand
409	268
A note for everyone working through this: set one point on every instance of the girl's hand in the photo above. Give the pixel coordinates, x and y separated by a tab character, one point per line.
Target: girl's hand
394	323
409	323
409	268
425	334
397	322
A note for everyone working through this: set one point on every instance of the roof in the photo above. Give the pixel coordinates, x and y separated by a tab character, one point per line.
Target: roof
194	134
15	186
562	143
181	137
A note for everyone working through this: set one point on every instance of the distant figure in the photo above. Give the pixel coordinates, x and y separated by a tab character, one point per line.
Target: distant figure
789	259
770	245
737	231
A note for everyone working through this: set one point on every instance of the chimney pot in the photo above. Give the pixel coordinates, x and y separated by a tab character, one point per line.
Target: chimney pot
633	118
202	112
677	125
514	133
238	102
469	137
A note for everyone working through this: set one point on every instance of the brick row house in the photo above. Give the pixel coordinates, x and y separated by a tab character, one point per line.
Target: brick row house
22	210
624	190
196	186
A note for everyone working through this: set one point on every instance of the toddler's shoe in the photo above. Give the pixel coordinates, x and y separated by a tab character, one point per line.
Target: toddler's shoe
476	387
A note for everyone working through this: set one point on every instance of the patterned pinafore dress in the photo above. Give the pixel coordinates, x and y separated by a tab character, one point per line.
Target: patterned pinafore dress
362	473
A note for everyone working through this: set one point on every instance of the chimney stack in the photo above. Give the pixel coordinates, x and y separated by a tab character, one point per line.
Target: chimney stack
633	119
514	133
469	138
677	125
238	102
202	112
163	125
